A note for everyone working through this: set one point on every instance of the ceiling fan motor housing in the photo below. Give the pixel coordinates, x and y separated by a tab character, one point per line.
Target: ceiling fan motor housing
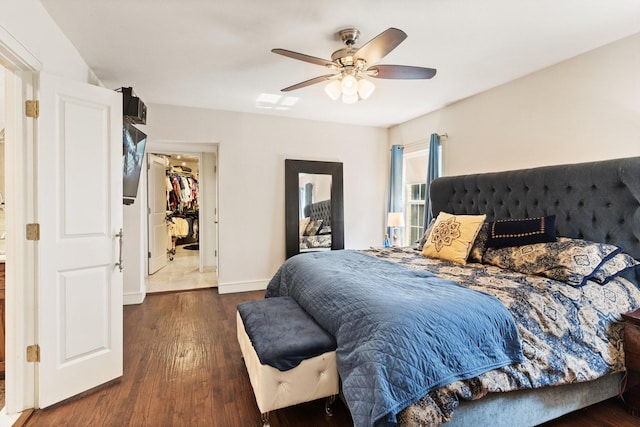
344	56
349	36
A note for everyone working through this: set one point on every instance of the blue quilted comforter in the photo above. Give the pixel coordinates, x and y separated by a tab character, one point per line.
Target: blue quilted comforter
400	332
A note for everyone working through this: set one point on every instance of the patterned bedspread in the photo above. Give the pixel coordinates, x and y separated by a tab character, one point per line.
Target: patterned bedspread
317	241
568	334
400	332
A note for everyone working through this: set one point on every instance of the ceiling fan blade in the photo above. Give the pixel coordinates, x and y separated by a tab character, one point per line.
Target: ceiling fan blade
378	47
309	82
400	72
303	57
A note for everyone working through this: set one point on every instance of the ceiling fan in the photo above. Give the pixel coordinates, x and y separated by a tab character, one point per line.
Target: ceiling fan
350	64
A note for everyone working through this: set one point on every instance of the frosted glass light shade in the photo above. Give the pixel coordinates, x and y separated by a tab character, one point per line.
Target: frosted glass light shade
395	219
350	99
349	85
365	88
333	89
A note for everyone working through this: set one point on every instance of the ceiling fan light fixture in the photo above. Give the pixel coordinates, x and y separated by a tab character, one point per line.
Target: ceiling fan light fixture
349	85
365	88
333	89
350	98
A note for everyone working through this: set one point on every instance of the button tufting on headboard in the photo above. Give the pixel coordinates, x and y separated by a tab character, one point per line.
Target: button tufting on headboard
319	211
598	201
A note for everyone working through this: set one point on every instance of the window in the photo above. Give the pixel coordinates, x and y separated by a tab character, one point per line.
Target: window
414	168
415	177
414	212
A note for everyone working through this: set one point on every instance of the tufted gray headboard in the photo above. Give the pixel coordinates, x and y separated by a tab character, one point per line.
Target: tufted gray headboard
597	201
319	210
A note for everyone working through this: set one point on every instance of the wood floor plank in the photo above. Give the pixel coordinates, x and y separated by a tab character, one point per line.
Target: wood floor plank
183	367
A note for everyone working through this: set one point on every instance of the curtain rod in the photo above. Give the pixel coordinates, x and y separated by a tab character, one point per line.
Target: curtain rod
420	141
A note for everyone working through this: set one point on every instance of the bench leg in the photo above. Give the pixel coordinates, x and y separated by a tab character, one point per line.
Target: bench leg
265	419
328	408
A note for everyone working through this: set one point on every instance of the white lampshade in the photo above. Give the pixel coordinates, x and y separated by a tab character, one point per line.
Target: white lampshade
365	88
333	89
349	85
395	219
350	99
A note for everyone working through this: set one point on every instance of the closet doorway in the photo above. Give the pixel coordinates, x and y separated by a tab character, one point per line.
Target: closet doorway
181	232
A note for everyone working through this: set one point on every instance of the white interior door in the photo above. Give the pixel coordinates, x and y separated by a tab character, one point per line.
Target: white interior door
157	222
79	209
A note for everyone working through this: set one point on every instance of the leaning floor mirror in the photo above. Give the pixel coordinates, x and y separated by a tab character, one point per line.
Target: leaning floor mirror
314	207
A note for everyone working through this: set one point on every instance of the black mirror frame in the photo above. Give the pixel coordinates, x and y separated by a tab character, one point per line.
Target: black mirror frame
292	205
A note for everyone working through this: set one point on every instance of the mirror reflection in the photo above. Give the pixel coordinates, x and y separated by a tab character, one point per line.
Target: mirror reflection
314	211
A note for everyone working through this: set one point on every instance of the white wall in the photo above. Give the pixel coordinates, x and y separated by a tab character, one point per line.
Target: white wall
30	24
2	100
583	109
252	150
134	249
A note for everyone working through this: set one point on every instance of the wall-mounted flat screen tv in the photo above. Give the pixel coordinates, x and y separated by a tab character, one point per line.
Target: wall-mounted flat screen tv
133	143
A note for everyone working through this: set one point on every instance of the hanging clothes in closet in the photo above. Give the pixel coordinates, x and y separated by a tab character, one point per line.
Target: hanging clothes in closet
182	192
182	207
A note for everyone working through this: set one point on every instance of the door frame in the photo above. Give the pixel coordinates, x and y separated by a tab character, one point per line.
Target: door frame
21	83
198	149
200	212
151	159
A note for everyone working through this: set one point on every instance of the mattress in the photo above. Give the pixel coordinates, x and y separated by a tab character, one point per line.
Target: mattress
569	334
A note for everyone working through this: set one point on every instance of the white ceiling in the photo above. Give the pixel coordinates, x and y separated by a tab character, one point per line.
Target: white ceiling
216	53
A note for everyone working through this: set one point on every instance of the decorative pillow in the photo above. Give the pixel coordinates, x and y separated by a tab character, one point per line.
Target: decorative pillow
615	266
480	244
571	261
425	236
325	229
523	231
452	236
304	222
313	227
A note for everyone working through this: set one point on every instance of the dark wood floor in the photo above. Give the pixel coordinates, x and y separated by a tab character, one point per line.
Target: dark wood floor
182	367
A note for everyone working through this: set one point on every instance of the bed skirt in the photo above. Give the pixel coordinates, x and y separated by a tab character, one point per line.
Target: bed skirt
533	407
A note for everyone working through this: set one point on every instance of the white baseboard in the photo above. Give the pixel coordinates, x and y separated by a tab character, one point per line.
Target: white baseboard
230	288
133	298
8	420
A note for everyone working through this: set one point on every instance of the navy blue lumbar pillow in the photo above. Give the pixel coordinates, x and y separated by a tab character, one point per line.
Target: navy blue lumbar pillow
523	231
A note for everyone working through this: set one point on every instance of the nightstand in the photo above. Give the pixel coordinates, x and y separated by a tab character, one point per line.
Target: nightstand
632	360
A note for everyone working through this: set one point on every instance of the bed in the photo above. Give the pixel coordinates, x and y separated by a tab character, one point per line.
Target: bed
569	329
315	227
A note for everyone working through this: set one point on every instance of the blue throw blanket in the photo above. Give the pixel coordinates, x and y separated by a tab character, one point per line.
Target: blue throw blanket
400	332
282	333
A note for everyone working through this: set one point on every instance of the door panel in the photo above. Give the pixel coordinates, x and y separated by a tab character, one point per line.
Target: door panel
157	222
79	209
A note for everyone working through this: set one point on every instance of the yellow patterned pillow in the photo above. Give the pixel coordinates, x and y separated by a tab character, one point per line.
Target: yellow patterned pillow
452	237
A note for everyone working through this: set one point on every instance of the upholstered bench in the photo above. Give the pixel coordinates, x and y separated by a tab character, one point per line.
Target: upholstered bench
289	358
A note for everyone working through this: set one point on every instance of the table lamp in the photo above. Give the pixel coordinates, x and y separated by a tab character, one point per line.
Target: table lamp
395	220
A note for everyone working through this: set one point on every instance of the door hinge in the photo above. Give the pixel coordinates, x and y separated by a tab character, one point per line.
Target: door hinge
215	253
33	231
32	108
33	353
149	255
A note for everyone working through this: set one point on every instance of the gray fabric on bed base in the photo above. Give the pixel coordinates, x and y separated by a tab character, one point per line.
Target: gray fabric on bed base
533	407
597	201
